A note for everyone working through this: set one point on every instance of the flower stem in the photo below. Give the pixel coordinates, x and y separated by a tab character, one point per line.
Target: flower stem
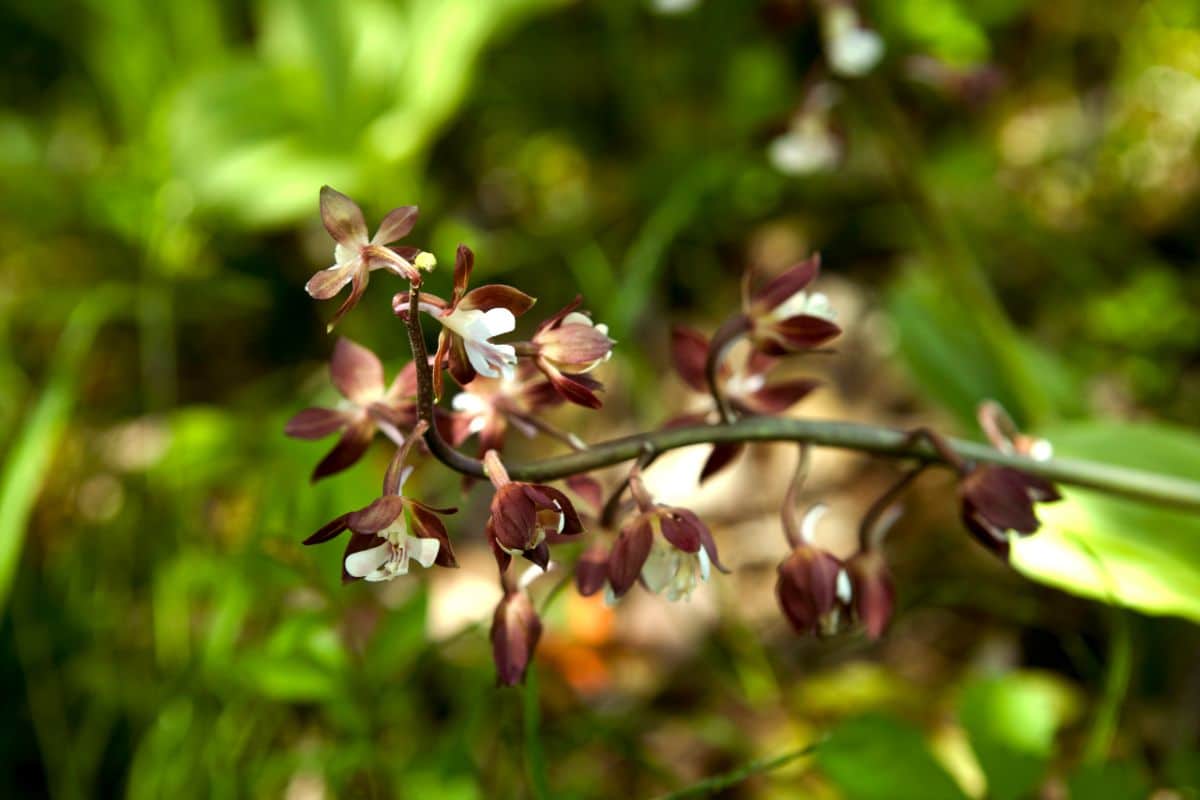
729	332
1135	484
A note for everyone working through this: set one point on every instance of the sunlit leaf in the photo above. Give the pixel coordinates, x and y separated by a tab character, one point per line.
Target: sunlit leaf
1132	554
1011	722
879	758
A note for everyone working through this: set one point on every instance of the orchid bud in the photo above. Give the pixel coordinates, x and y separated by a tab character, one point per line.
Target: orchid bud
997	500
591	571
523	514
873	594
784	318
515	633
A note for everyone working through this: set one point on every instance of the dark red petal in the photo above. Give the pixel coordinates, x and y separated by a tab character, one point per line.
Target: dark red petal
689	351
573	388
571	522
722	455
342	218
706	538
329	530
396	225
428	525
356	371
557	317
589	489
1001	495
464	262
781	396
381	513
629	555
315	423
503	559
873	591
539	555
591	570
348	450
803	332
683	532
409	254
486	298
993	538
460	366
795	279
515	633
514	517
358	285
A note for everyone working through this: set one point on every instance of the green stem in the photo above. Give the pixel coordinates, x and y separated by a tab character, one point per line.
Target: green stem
876	440
1116	685
535	759
716	783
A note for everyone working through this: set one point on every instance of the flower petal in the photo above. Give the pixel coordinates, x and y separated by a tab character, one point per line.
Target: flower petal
689	352
348	450
427	525
780	396
358	285
342	218
629	554
328	282
515	633
794	279
591	570
396	225
315	423
464	262
381	513
423	550
722	455
356	372
329	530
492	296
363	562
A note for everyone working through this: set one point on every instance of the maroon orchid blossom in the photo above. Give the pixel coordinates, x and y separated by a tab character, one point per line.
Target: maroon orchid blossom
998	500
566	346
469	321
526	517
783	317
357	374
391	533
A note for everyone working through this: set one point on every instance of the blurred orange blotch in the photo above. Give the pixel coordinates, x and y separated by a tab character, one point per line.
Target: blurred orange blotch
574	649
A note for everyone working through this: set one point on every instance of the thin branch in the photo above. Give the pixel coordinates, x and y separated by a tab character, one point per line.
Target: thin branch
876	440
729	332
716	783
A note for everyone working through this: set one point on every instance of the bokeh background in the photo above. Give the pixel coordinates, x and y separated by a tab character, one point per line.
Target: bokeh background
1006	204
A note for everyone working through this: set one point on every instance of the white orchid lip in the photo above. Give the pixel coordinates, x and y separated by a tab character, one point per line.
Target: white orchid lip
675	572
392	557
815	304
476	327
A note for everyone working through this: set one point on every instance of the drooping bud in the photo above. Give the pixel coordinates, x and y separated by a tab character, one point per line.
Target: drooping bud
784	318
523	514
997	500
515	633
874	595
591	571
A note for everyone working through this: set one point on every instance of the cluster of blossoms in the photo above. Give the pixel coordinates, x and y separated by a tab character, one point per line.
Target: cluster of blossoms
667	549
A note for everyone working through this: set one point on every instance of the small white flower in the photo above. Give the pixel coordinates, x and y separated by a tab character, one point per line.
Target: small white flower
808	147
853	50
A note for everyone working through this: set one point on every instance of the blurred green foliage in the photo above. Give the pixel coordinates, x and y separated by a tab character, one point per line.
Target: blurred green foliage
1015	210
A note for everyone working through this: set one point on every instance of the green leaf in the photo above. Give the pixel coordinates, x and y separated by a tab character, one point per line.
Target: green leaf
1130	554
1116	780
1011	722
878	758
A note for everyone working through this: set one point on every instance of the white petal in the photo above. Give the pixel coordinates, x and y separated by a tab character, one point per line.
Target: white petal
466	401
660	568
498	321
532	574
844	590
705	564
477	354
808	524
364	562
422	550
576	318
